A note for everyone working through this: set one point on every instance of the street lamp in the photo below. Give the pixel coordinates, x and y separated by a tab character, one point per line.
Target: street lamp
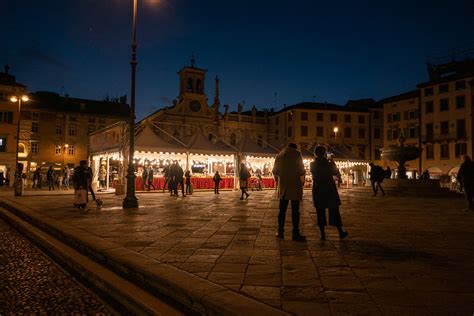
131	200
335	130
18	183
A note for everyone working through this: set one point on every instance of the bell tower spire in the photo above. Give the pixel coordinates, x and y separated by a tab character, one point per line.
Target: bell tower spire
216	92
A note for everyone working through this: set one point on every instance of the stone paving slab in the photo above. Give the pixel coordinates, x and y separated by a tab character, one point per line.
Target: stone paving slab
403	255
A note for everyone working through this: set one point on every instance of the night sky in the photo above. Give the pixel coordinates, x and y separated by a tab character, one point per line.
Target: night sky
303	50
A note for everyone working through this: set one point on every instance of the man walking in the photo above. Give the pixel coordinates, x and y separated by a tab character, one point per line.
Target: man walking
466	178
377	174
150	179
289	172
178	178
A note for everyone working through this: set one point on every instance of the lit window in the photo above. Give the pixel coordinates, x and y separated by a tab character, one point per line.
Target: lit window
57	149
3	144
71	150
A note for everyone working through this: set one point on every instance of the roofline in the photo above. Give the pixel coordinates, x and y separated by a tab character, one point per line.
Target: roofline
454	77
403	96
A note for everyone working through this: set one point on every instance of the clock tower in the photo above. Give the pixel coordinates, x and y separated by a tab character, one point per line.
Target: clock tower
191	90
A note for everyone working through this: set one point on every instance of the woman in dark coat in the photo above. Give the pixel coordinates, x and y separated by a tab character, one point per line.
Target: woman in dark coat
325	195
244	176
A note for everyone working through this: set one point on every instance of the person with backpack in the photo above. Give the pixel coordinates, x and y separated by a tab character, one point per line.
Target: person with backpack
377	174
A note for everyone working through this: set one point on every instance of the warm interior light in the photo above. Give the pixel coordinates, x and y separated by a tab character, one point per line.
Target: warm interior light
13	98
25	98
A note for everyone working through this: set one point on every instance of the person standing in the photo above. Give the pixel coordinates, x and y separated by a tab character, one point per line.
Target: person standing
178	179
187	175
217	179
2	179
80	182
89	175
244	176
50	178
144	177
325	195
388	172
166	174
37	178
466	178
67	175
377	174
150	179
289	171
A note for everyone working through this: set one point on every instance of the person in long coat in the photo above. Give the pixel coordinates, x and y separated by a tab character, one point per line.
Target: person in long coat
325	195
244	176
466	178
289	173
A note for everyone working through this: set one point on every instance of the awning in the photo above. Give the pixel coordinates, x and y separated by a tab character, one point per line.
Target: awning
200	144
147	140
248	147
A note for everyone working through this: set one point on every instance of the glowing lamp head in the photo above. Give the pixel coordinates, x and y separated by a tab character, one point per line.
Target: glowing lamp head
335	129
25	98
13	99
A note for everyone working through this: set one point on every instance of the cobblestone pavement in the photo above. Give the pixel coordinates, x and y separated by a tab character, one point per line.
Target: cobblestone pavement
31	284
404	256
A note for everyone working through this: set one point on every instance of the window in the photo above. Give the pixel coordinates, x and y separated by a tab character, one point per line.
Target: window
443	88
319	117
190	85
34	127
290	116
429	132
333	117
34	148
377	133
460	149
428	91
277	120
460	85
361	119
3	144
461	129
412	114
429	151
319	131
347	132
347	118
412	132
59	129
460	102
92	127
361	132
444	151
395	134
377	154
289	131
396	117
72	130
71	150
91	119
429	107
57	149
35	115
444	105
361	151
304	116
233	139
6	117
72	118
304	131
376	115
444	128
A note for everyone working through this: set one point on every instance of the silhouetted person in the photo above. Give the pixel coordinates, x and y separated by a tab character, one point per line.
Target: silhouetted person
2	179
377	174
50	178
144	178
325	195
244	176
217	179
187	176
388	173
37	178
166	174
90	175
466	178
425	175
150	179
289	172
178	178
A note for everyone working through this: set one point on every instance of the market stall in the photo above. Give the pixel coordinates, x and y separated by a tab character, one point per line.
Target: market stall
259	160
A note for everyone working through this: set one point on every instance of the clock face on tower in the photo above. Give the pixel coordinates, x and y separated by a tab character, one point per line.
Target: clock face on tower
195	106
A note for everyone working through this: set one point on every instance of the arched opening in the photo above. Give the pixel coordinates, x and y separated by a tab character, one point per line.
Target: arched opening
21	148
190	85
199	87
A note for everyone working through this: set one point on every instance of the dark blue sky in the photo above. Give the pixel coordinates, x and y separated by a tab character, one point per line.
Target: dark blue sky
302	50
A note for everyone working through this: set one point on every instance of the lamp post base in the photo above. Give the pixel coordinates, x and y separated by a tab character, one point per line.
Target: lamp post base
130	200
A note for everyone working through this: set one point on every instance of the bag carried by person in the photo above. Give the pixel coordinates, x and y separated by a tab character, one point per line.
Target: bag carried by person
191	189
80	196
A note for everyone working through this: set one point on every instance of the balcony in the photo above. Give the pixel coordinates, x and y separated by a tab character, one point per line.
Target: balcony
443	137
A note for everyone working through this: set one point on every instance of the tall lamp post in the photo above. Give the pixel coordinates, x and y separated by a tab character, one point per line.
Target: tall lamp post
18	182
131	200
